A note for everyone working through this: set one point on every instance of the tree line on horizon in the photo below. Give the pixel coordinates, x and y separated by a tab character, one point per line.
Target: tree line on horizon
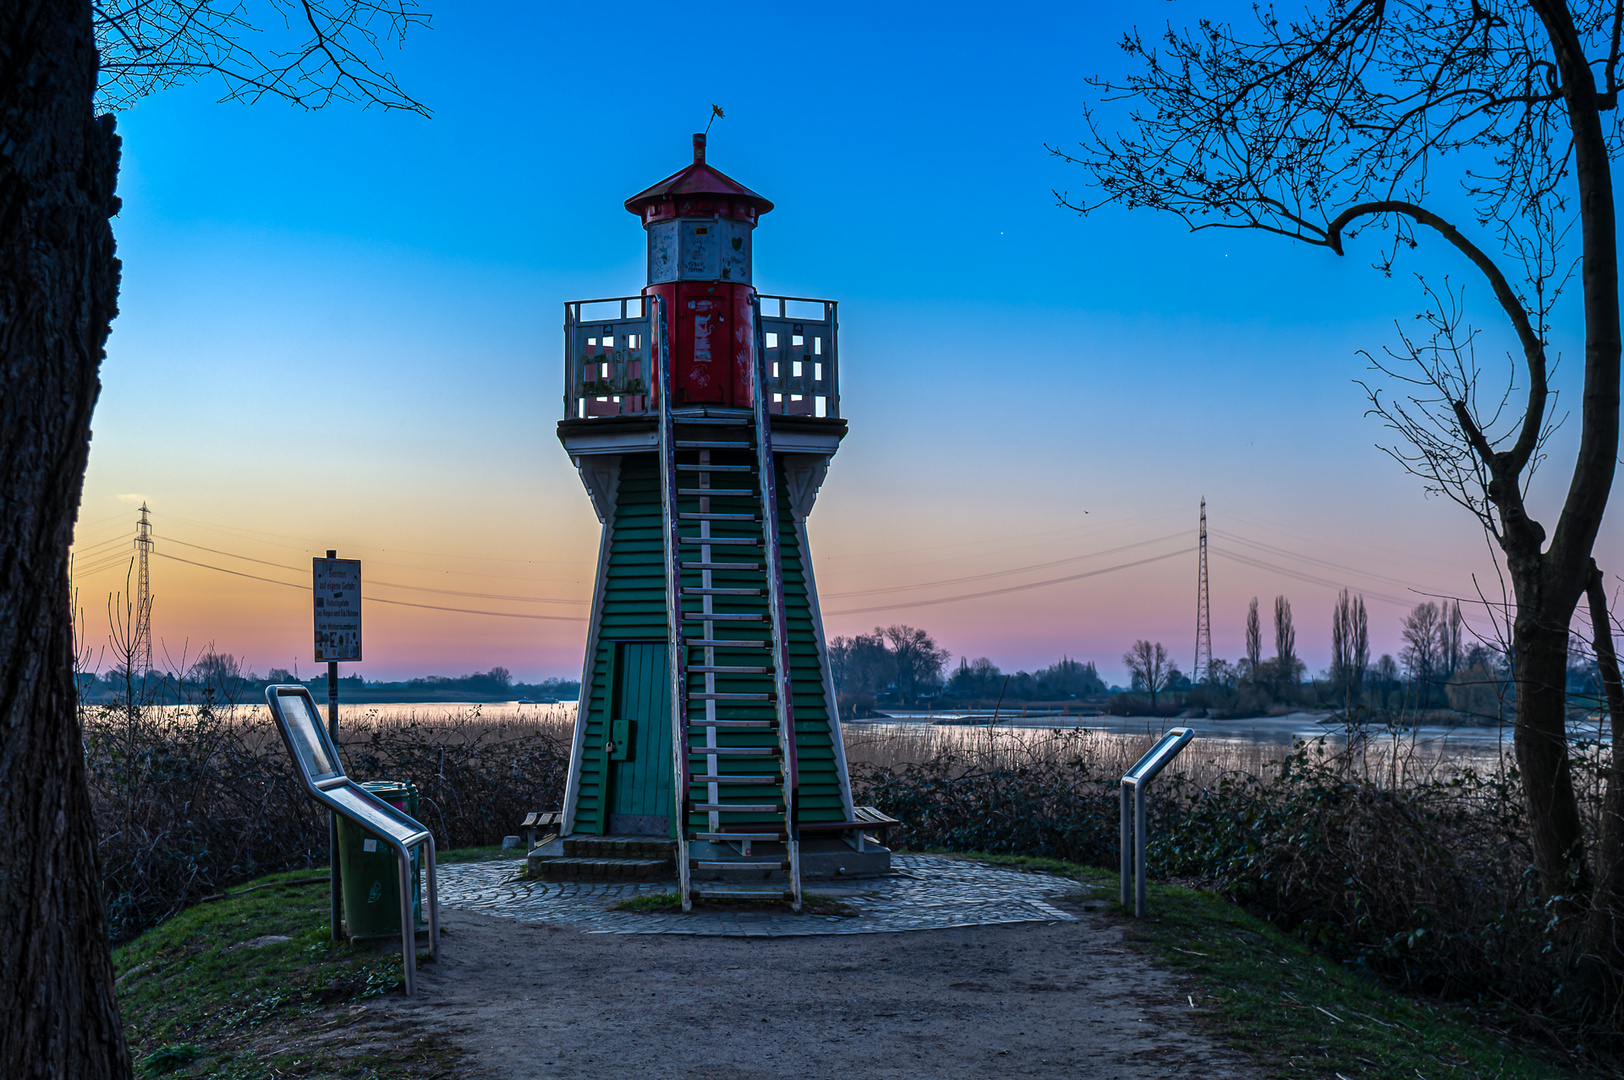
903	666
221	676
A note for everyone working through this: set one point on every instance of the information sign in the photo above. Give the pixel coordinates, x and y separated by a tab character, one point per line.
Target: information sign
337	590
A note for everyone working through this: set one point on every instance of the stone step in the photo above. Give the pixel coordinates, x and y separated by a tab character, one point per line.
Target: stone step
620	847
577	869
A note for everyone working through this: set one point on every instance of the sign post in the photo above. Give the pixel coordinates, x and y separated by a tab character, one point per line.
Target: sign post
336	591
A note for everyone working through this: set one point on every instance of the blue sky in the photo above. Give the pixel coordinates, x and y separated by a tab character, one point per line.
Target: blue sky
342	329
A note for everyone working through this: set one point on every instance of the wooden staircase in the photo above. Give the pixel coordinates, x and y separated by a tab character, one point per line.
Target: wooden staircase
732	711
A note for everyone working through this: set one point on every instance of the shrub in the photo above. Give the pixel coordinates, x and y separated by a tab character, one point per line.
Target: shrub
191	799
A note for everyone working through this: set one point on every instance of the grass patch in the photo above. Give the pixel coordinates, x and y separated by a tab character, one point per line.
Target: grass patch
1296	1013
476	854
250	985
666	902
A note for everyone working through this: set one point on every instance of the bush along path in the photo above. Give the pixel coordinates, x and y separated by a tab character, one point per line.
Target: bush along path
1296	1013
1421	876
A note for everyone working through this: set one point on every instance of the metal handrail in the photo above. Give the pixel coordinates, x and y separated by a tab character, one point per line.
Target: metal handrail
1136	779
322	775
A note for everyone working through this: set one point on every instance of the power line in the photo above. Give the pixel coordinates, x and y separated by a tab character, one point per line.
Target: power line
377	599
1310	578
93	548
390	584
470	611
1272	550
305	544
1024	537
1016	588
1003	573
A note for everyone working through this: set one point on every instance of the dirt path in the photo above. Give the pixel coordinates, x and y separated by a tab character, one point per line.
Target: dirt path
1065	999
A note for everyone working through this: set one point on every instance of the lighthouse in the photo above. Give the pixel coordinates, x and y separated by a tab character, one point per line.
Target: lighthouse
702	417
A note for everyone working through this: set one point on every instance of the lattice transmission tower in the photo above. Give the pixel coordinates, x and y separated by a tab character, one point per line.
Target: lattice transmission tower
1203	608
142	653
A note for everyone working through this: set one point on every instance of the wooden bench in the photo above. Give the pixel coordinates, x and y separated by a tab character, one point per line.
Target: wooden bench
864	819
541	823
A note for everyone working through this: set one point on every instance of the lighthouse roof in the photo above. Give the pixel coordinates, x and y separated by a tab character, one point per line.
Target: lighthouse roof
698	180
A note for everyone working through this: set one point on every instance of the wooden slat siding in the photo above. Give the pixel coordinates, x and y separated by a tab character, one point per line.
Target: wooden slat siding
642	785
633	608
572	786
820	786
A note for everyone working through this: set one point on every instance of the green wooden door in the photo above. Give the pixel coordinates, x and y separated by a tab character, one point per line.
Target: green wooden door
640	785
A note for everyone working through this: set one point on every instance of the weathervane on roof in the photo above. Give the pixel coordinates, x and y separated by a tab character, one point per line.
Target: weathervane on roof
716	114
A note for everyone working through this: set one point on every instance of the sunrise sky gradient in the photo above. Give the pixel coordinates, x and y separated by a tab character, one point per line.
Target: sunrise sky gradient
341	329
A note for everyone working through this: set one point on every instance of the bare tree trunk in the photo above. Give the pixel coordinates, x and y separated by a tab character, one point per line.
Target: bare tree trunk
1549	584
58	295
1555	828
1607	914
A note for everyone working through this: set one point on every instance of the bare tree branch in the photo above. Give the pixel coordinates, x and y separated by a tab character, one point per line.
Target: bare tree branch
310	53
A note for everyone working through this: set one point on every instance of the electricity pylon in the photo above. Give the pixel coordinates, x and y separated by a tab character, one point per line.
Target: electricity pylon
1203	609
142	653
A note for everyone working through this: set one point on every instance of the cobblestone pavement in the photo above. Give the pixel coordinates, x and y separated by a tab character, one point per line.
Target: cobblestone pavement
924	892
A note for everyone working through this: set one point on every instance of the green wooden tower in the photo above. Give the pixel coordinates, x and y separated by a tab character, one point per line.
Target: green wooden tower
702	417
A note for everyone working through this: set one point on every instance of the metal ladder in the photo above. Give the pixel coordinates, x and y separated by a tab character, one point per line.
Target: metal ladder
719	503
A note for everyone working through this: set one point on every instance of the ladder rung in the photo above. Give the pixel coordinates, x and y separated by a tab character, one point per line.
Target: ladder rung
731	893
730	697
733	779
724	643
716	468
721	493
734	541
696	591
728	669
741	863
739	808
715	837
709	444
708	516
733	751
721	566
736	725
721	616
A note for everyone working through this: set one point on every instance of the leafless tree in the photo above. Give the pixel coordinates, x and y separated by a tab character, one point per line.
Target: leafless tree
1350	649
59	281
1451	635
1287	666
918	659
1422	638
1254	639
309	53
1404	118
1149	666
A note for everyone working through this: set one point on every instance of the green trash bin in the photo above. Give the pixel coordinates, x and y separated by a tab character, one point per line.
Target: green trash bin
370	877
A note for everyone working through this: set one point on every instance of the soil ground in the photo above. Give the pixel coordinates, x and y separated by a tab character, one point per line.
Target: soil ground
1062	999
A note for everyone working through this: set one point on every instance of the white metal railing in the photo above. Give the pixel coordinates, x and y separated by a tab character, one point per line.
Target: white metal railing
1134	782
799	355
608	356
609	348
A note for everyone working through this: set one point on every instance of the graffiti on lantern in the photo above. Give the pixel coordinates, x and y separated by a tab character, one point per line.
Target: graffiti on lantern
736	252
662	252
699	250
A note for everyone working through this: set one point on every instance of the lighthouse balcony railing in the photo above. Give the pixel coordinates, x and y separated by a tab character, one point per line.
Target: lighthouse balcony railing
609	347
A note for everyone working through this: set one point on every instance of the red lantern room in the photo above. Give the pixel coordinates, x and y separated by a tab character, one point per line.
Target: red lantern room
699	224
